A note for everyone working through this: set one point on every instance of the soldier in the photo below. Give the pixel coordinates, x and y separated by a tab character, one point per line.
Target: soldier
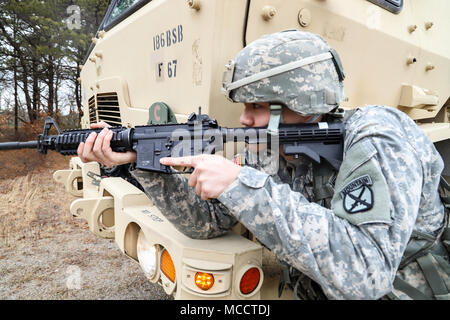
372	229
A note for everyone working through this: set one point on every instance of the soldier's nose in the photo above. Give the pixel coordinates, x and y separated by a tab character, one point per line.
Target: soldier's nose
246	119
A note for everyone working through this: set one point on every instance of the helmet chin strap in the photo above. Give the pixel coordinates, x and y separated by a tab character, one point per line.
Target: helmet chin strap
314	118
275	119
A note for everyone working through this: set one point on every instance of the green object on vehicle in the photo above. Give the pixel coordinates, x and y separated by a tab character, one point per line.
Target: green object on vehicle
160	113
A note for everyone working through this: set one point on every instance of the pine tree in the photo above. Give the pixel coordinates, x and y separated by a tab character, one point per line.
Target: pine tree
39	50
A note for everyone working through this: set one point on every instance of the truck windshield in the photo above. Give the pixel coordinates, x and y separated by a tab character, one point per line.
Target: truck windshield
120	7
394	6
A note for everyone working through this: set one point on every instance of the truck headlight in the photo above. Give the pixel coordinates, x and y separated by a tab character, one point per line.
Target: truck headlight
147	256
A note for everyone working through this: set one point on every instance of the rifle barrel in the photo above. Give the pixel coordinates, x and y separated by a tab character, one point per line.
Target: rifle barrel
18	145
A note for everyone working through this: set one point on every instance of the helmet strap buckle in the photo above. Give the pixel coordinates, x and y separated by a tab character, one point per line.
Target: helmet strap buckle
228	79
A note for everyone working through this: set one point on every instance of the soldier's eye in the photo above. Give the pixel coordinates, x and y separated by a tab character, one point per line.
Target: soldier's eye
256	106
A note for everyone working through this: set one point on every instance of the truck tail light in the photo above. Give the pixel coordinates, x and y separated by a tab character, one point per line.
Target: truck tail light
250	280
204	280
167	266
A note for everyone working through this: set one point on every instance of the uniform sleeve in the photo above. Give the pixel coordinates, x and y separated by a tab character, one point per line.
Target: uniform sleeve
353	249
192	216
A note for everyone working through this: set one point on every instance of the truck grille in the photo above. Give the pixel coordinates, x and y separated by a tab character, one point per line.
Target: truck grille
108	108
92	110
105	107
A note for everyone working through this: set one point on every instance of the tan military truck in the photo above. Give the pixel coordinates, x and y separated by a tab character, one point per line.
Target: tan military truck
155	58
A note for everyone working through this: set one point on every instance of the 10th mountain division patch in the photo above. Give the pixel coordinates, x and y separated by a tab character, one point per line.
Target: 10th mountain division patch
358	195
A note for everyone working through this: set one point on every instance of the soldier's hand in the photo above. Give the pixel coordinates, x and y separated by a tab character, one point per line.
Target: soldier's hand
211	176
97	148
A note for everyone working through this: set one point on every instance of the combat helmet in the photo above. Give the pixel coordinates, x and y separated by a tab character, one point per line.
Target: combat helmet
293	68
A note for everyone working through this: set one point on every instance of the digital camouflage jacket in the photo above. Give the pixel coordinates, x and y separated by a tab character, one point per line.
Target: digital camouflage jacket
351	246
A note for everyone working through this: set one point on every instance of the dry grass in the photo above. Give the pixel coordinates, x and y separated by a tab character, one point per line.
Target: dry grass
42	247
31	207
16	163
21	197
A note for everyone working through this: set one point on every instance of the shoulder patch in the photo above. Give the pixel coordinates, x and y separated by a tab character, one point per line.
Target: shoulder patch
362	195
358	195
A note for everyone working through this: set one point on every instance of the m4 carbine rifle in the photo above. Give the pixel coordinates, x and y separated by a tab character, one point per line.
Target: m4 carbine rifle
200	134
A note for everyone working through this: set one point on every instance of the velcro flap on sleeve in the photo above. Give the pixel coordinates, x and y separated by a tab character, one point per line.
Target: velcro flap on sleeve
361	193
252	178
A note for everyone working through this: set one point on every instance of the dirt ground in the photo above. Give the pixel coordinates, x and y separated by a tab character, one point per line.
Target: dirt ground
45	253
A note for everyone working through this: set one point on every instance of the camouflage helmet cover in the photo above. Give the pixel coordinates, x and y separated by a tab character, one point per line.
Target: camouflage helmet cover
294	68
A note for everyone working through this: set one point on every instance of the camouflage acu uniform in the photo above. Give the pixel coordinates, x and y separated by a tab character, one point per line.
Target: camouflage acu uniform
194	217
351	241
351	255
